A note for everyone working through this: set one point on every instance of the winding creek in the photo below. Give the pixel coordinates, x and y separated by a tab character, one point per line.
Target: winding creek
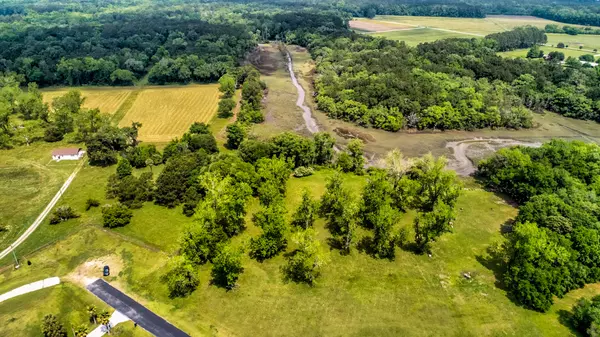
309	120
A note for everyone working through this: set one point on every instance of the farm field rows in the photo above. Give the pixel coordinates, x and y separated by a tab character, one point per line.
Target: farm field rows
167	112
107	99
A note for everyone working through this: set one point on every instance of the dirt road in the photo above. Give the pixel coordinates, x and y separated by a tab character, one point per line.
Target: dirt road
464	150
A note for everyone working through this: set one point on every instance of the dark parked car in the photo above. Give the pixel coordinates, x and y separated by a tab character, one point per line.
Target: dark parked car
106	271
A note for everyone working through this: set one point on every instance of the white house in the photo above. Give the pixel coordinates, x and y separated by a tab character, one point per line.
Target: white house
71	153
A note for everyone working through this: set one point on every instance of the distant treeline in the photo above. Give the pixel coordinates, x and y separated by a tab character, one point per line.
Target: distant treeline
572	30
123	48
521	37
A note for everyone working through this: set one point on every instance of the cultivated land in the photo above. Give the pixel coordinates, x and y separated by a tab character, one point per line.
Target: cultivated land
167	112
107	99
418	29
490	24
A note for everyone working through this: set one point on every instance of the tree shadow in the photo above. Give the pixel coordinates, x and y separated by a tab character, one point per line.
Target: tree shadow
365	245
565	318
494	262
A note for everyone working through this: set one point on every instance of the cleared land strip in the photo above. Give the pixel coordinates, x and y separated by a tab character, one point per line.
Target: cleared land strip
44	213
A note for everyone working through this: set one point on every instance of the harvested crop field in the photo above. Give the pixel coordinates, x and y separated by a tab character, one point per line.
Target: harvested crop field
107	99
376	26
474	26
167	112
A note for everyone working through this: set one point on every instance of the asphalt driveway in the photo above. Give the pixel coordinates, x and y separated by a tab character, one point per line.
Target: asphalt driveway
145	318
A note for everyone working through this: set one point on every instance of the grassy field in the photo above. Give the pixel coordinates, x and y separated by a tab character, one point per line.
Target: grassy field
587	42
167	112
523	52
107	99
357	294
490	24
28	181
413	37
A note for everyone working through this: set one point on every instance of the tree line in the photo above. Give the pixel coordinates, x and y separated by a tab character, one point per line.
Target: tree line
552	247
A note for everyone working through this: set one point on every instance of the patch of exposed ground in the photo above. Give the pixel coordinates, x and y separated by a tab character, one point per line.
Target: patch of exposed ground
91	270
466	152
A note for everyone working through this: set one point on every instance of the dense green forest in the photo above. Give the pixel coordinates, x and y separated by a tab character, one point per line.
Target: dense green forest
553	245
447	84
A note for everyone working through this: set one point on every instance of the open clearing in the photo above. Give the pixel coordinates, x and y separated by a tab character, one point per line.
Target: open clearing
167	112
490	24
107	99
587	42
413	37
523	52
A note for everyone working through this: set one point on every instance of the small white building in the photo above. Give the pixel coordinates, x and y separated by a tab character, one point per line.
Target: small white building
70	153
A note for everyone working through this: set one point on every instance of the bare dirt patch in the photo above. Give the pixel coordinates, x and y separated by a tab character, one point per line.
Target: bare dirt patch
466	152
91	270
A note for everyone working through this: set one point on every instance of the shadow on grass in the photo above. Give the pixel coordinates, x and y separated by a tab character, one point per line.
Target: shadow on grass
565	318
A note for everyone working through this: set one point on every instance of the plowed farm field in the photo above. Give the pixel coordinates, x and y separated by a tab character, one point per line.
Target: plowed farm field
168	112
108	100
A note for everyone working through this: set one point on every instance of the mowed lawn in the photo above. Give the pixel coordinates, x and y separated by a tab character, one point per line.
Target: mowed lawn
167	112
107	99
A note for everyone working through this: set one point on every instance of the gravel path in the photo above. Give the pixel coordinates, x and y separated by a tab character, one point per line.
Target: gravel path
462	163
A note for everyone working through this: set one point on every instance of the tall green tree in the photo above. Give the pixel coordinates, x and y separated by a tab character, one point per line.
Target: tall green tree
181	278
273	239
306	213
306	262
227	85
227	267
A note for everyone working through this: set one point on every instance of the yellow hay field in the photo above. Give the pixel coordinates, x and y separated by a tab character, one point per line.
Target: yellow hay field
168	112
108	100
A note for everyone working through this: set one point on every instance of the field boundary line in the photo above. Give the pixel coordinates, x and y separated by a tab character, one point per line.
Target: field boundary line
44	213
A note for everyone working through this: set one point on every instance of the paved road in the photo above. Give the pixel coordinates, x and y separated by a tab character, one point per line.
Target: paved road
44	213
135	311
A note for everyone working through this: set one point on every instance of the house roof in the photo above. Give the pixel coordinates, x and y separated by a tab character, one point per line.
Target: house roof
68	151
